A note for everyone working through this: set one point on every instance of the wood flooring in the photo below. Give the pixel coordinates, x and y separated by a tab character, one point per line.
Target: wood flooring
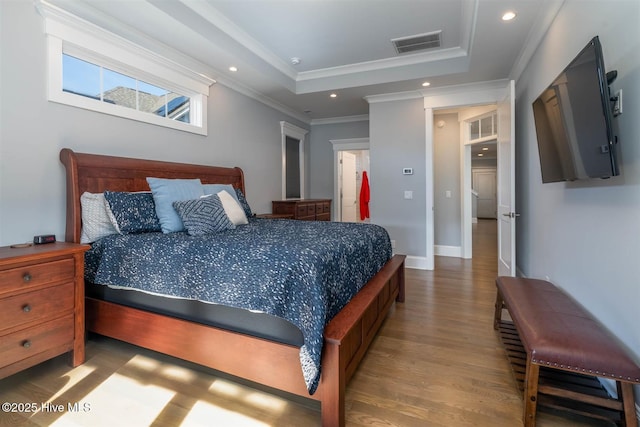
436	362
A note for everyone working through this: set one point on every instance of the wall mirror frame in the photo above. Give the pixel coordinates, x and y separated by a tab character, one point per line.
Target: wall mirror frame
293	171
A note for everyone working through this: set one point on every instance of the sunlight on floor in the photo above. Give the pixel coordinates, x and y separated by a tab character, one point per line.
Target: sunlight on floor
144	391
121	398
255	398
207	414
73	377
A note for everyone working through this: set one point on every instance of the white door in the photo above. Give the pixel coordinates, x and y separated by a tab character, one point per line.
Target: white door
484	183
349	195
506	185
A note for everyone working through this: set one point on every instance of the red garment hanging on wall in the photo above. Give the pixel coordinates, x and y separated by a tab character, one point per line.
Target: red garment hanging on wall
364	197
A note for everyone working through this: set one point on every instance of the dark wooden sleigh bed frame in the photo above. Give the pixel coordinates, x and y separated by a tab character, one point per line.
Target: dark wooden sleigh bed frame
277	365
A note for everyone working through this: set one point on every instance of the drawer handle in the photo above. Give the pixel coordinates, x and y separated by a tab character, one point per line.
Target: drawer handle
26	308
26	277
26	344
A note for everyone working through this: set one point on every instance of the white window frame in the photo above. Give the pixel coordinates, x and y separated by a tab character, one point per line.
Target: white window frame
68	34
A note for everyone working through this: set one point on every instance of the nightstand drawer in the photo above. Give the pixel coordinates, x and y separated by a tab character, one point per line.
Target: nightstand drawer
37	305
37	274
31	341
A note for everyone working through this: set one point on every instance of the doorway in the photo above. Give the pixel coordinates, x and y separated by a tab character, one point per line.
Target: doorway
351	162
484	181
501	96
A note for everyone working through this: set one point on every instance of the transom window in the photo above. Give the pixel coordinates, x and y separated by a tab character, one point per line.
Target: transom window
102	84
483	128
90	68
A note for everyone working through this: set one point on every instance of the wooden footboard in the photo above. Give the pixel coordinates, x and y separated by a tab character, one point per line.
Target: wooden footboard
347	338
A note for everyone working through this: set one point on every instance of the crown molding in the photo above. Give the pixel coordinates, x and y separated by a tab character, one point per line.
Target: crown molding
536	34
337	120
217	19
269	102
397	96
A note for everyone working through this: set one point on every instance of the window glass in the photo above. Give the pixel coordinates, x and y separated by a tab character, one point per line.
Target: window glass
96	82
80	77
119	89
475	129
176	108
486	127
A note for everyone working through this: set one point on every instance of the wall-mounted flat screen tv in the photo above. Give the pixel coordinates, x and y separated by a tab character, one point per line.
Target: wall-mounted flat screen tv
573	119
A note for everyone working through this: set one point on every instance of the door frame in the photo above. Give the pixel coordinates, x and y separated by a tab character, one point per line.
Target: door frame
349	144
454	97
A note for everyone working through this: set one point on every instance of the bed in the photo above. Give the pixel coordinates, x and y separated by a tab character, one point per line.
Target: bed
345	338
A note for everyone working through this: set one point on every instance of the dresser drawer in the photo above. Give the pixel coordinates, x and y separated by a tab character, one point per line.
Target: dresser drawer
29	342
34	275
37	305
302	211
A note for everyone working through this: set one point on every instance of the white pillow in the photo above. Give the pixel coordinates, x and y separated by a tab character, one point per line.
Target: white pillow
96	218
232	208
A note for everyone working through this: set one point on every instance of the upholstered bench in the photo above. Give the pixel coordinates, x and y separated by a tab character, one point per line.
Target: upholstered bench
558	336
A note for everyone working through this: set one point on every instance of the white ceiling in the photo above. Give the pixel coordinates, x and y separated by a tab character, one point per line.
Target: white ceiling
344	46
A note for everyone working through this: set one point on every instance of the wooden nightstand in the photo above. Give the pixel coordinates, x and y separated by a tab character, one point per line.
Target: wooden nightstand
41	305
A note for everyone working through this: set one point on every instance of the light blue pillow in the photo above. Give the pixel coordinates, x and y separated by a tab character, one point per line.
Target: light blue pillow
216	188
165	192
203	216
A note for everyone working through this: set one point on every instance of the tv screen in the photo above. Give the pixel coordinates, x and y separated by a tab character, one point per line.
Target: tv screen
573	120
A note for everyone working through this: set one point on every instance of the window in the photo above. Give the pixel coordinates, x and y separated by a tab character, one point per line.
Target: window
483	128
90	68
83	78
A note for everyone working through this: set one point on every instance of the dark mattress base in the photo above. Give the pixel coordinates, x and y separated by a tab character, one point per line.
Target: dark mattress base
259	325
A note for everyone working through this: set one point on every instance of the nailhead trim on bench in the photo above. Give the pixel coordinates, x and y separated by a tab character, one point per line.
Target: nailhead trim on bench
579	369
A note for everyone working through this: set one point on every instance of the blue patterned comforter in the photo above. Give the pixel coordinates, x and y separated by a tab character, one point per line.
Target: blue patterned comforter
302	271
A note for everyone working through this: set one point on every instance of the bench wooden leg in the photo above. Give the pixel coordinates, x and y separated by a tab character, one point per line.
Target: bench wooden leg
531	393
497	316
625	394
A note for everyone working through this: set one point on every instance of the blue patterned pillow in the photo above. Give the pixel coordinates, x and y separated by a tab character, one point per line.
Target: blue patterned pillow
133	212
203	216
243	202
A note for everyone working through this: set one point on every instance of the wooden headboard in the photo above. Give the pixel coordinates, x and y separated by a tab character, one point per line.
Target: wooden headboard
96	173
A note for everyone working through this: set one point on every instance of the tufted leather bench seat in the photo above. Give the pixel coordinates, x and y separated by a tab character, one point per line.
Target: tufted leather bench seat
558	334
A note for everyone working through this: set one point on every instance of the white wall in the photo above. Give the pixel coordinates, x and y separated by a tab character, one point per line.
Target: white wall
586	236
397	141
446	168
242	132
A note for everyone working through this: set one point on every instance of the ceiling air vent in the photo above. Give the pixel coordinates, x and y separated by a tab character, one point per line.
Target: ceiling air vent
417	43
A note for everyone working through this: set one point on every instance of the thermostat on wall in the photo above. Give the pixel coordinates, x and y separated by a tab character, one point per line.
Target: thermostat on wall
407	171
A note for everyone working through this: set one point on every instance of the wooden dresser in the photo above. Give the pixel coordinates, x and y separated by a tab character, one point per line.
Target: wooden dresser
41	305
304	209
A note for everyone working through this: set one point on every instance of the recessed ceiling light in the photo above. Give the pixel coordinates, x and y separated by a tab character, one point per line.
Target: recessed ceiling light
485	148
333	95
233	69
480	154
508	16
425	84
